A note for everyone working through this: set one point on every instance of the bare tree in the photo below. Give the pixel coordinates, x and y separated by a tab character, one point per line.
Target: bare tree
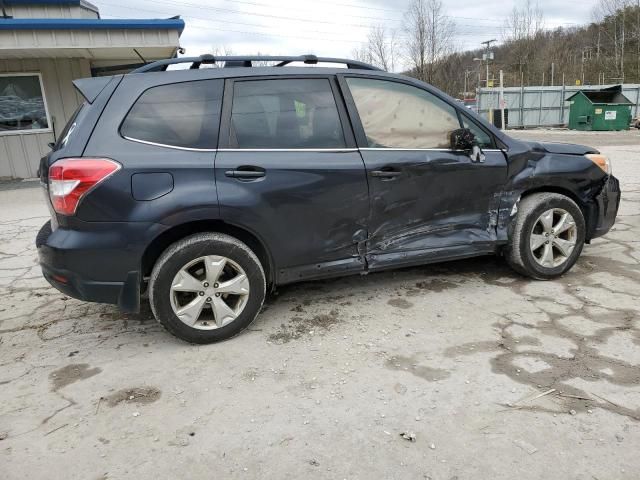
382	46
523	26
362	53
611	15
429	37
524	22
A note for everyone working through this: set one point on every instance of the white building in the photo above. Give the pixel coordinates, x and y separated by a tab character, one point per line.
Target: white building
44	45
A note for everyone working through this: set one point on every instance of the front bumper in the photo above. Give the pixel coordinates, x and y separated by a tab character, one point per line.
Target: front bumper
72	261
605	208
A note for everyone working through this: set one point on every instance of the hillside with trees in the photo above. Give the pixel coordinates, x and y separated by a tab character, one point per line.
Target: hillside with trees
607	50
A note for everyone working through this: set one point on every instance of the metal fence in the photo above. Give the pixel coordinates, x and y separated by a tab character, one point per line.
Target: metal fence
542	106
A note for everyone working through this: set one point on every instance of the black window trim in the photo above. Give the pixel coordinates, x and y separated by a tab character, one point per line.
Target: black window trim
163	145
224	140
358	129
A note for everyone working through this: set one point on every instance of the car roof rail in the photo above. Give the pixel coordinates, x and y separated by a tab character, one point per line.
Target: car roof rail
247	61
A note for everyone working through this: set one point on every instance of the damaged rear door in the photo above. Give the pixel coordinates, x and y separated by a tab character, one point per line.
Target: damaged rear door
427	201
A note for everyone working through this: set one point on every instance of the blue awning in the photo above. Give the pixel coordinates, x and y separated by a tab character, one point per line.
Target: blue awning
90	23
43	2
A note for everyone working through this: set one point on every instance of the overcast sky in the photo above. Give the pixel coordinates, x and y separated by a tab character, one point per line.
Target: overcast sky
323	27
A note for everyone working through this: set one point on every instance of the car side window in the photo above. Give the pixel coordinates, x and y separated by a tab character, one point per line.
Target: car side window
285	113
397	115
185	114
484	139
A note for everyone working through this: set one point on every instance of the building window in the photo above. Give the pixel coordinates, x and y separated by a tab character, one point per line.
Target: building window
22	103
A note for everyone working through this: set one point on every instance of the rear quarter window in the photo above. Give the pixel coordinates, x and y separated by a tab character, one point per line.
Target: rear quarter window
185	114
70	127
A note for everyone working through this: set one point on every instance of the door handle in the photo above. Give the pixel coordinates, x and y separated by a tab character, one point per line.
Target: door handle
245	174
385	174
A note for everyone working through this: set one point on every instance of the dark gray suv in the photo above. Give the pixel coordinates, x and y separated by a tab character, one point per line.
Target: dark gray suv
206	187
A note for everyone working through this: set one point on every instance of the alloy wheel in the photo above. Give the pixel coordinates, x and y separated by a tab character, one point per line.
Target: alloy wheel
209	292
553	238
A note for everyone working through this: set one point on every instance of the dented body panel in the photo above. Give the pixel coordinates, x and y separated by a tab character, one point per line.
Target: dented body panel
561	168
440	199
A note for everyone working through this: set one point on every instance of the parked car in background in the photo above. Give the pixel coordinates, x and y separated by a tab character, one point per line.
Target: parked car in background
206	188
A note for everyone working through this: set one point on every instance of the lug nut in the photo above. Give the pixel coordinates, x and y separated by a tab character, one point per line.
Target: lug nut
217	294
209	299
205	284
201	294
215	285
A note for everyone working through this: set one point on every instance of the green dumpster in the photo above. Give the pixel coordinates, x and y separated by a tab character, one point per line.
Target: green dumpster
605	109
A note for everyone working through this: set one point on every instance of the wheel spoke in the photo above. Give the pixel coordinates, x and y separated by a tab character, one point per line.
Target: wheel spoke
546	219
564	224
537	241
185	282
565	246
239	285
222	312
209	281
547	256
190	313
214	266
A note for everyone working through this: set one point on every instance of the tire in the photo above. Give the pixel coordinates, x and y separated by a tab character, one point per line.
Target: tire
528	229
175	285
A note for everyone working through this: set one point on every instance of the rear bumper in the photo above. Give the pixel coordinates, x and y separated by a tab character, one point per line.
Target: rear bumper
72	262
605	208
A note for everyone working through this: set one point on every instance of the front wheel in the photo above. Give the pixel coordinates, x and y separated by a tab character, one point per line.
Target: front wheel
207	287
547	236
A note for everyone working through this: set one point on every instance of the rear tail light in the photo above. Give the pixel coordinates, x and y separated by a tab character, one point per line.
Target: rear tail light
70	179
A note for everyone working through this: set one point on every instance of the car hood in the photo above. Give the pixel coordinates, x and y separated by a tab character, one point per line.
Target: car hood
561	148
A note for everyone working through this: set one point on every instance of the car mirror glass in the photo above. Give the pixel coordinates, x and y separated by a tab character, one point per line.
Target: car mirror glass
464	139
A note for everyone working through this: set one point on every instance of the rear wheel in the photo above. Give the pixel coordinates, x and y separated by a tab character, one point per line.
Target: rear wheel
207	287
547	237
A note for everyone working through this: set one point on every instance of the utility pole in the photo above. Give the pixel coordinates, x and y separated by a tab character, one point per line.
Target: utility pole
479	60
467	72
503	103
488	55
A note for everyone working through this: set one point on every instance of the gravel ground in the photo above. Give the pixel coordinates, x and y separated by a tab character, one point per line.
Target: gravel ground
493	376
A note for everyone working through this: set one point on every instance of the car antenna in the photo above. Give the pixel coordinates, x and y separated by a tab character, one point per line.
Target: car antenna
4	11
135	50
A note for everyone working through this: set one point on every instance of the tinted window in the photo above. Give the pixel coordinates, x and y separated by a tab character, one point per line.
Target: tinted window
299	113
396	115
70	127
183	114
484	139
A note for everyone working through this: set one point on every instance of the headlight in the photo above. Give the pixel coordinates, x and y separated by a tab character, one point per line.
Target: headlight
602	161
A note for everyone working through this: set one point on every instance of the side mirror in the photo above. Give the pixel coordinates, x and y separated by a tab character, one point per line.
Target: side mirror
464	139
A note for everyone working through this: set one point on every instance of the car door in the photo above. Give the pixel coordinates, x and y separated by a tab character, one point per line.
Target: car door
288	169
427	200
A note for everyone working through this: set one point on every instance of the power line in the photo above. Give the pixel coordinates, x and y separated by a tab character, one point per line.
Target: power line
285	17
481	28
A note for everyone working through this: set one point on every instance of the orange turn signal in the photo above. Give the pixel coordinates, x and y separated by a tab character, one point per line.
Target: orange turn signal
602	161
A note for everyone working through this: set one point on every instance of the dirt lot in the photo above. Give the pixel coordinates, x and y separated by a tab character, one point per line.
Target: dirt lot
332	373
